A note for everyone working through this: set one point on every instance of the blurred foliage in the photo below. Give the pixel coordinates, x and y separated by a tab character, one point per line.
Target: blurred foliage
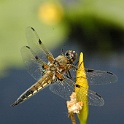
95	24
15	16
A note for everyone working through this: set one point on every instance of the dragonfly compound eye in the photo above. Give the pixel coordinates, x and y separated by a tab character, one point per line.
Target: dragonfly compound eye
71	55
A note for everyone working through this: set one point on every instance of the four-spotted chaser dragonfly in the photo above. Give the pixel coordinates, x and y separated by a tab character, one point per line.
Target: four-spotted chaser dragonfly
56	72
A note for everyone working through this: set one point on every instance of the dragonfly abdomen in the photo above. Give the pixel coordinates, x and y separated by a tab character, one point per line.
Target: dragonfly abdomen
39	85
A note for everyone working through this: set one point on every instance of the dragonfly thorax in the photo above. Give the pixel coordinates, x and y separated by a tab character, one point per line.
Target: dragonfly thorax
52	67
61	60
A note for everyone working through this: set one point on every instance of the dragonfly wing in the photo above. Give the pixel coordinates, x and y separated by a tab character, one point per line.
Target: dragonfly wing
63	88
33	63
91	97
36	44
97	77
95	99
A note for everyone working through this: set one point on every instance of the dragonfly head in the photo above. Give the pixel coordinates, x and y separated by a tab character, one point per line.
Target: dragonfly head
71	55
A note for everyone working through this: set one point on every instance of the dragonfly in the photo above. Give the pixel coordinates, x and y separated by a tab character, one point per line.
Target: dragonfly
56	72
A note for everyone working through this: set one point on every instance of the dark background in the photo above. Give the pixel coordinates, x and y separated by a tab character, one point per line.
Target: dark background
45	107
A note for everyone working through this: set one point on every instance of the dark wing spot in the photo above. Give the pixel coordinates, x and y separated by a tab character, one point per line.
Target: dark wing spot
36	57
98	95
110	73
90	70
28	47
40	41
43	67
32	29
78	86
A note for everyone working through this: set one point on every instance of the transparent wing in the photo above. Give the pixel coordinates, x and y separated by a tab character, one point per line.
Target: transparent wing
33	63
65	88
92	97
36	44
97	77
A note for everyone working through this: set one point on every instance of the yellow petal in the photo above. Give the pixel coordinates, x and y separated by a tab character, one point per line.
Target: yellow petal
81	89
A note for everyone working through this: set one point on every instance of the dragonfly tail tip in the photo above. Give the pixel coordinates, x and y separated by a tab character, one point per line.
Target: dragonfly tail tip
14	104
